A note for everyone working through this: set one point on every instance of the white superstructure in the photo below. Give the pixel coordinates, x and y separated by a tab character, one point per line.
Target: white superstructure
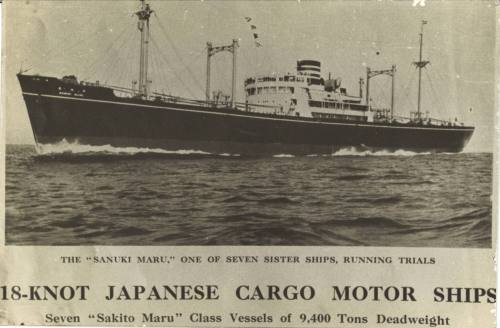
304	94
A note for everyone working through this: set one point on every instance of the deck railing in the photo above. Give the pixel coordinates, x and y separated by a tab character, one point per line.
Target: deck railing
258	108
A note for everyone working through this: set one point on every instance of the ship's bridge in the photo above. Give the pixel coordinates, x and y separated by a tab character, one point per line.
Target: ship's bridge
311	70
276	91
274	83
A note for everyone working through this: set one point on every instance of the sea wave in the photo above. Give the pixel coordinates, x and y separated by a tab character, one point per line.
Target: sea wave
377	200
353	177
378	221
442	201
353	151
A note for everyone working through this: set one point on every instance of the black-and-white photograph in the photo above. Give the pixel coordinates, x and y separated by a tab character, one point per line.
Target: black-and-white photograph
322	123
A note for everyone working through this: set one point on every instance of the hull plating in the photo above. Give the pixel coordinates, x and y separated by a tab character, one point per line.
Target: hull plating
100	120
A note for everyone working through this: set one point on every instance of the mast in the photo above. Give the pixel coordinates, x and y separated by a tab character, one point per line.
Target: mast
211	51
233	84
209	54
361	83
143	26
420	64
393	76
371	73
368	75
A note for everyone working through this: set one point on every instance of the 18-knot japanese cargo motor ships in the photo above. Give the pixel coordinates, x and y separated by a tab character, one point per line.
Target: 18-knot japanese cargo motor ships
300	113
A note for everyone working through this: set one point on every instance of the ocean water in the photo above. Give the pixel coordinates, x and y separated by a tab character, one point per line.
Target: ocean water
81	195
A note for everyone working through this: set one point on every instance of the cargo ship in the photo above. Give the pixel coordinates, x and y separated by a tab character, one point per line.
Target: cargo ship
297	113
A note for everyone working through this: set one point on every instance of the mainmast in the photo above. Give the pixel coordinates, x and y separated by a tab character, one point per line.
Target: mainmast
420	64
143	26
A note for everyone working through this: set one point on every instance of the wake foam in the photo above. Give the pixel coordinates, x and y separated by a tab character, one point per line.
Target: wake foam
229	155
67	148
353	151
283	156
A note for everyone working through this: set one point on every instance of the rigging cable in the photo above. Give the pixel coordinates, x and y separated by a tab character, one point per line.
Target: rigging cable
168	65
131	60
165	60
166	82
177	53
58	49
198	55
93	69
406	96
157	73
443	77
434	92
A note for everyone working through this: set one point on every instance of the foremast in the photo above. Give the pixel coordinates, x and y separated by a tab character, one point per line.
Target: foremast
143	25
420	64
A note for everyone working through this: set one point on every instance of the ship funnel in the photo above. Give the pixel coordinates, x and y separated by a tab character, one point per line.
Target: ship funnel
311	68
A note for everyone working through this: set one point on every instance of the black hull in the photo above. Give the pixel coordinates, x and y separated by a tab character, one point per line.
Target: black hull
100	118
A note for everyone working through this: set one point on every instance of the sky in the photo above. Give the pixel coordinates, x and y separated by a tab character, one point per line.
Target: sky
99	40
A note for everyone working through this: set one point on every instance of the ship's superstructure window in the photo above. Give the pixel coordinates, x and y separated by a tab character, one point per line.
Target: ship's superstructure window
250	80
337	105
311	69
266	79
341	117
328	104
